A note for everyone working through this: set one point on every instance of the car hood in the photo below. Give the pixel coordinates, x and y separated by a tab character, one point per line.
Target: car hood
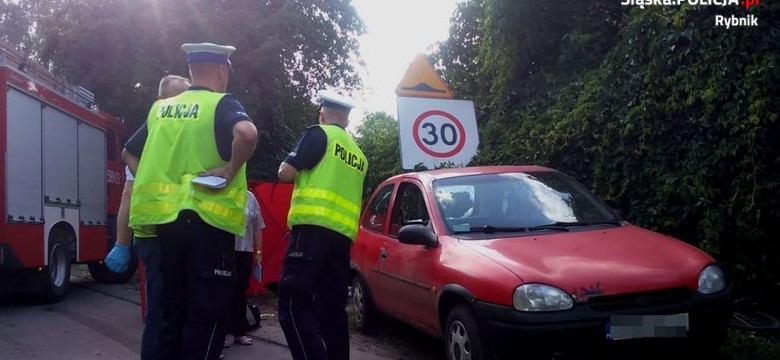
599	261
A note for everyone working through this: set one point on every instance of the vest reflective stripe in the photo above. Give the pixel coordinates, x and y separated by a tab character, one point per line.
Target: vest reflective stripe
178	196
347	223
331	197
230	214
163	188
330	194
181	144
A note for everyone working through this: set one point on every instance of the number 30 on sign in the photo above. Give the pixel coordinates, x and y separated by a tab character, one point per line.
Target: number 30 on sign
436	131
439	134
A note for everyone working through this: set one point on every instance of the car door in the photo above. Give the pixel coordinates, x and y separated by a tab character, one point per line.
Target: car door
408	270
366	250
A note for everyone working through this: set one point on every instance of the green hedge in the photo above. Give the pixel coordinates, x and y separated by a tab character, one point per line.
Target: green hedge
677	125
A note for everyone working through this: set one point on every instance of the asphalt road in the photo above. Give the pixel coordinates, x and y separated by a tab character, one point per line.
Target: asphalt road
97	321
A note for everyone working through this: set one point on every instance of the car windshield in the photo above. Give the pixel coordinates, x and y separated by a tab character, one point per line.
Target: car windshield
520	201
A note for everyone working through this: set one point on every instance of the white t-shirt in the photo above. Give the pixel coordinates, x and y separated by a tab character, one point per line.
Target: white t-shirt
128	175
254	222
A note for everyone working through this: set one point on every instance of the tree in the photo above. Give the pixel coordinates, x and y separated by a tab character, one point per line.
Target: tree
15	24
656	110
377	136
458	56
286	50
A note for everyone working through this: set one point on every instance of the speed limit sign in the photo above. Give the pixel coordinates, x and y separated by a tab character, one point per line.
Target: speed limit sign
433	132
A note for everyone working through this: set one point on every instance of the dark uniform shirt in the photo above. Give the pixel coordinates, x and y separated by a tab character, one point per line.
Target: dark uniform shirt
228	112
309	149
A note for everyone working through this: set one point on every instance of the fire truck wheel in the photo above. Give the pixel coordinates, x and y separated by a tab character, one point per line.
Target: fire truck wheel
102	274
56	275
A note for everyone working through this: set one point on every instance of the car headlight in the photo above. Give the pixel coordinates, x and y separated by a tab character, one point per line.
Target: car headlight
539	297
711	280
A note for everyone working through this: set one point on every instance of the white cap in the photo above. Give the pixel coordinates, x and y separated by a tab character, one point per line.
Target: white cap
332	99
208	52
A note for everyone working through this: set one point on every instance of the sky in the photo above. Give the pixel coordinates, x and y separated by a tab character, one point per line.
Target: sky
396	31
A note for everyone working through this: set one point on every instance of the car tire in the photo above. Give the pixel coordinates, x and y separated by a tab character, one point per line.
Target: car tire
462	338
366	315
55	277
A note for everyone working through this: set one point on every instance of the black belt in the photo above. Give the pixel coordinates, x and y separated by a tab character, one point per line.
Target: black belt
190	215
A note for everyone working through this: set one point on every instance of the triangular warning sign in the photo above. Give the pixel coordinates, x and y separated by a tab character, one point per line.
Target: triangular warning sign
421	80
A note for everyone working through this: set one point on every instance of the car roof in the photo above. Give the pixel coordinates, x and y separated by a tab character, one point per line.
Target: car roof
431	175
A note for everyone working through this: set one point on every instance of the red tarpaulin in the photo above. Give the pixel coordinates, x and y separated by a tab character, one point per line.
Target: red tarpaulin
274	199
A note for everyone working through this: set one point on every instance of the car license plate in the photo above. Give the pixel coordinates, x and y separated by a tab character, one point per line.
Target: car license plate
623	327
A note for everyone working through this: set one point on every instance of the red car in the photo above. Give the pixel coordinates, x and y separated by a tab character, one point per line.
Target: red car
519	260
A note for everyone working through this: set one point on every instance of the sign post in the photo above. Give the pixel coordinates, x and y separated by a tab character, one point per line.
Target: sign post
434	129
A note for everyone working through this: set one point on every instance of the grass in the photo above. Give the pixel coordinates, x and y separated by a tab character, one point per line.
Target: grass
745	345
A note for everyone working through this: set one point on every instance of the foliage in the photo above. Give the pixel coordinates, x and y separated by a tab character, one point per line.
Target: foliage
458	55
743	345
286	50
656	110
377	136
14	24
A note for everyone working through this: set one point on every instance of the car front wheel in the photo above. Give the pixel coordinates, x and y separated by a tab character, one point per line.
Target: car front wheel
366	316
463	340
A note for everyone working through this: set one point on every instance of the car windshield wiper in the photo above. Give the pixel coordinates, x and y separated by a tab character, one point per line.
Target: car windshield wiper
585	223
564	225
490	229
556	226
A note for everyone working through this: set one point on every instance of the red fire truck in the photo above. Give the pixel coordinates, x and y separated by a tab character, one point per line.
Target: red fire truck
61	180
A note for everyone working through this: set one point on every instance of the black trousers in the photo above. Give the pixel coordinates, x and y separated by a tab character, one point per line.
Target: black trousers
313	294
148	250
198	263
237	323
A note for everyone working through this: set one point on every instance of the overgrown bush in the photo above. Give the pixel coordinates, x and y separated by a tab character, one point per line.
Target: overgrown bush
657	110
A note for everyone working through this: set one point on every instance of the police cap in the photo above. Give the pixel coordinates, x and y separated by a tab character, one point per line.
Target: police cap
334	100
208	52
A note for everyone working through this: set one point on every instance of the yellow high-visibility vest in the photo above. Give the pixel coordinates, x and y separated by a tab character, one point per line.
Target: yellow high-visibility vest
181	143
329	195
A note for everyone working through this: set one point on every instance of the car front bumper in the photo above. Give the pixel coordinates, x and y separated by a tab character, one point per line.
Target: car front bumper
584	327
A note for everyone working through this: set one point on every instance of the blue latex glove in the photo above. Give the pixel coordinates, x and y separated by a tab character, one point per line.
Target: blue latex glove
118	258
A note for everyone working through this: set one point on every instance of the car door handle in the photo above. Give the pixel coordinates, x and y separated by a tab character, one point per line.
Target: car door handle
383	254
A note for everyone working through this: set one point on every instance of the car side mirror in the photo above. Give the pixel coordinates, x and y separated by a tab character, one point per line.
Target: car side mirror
416	234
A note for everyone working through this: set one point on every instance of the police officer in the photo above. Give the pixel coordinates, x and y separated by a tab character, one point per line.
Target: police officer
202	131
328	169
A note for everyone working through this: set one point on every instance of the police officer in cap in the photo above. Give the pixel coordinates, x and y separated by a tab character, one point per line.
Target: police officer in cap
328	169
200	132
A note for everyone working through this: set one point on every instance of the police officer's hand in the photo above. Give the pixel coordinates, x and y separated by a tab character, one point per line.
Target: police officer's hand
118	258
244	141
227	172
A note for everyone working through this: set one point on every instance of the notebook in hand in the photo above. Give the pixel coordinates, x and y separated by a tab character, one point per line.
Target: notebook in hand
213	182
